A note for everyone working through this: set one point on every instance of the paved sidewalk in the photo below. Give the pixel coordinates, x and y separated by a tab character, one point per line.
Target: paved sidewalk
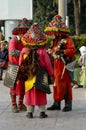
57	120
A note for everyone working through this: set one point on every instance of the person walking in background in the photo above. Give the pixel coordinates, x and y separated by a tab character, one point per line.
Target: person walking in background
3	57
63	52
14	48
36	60
80	72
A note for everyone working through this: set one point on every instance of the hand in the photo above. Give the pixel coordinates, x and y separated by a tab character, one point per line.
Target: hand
51	79
80	64
59	52
49	51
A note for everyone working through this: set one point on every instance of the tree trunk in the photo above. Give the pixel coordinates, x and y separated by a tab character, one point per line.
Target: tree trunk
77	14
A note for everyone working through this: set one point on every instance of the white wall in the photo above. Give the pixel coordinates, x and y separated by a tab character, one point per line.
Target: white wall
9	26
15	9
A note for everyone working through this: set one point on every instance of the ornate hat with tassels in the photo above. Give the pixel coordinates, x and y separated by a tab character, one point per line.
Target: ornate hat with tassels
34	36
56	26
22	27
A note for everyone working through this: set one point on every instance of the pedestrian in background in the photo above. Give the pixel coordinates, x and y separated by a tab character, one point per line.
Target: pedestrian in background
3	57
80	72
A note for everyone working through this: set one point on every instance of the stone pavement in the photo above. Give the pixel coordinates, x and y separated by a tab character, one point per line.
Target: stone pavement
57	120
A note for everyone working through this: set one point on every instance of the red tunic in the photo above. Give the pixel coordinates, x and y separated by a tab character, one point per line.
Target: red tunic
34	96
64	83
16	45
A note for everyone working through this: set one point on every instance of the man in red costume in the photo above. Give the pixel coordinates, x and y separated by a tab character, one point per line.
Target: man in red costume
63	52
14	49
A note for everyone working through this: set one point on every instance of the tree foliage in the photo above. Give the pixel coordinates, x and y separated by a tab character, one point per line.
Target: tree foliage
44	10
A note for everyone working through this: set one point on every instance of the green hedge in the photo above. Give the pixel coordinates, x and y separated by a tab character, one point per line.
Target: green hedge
79	41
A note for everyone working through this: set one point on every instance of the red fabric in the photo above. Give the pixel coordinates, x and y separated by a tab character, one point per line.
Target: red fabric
44	60
69	47
65	83
61	84
14	44
35	97
5	65
24	51
19	88
20	101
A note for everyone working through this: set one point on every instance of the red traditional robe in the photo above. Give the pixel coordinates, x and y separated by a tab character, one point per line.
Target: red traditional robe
34	96
15	45
63	84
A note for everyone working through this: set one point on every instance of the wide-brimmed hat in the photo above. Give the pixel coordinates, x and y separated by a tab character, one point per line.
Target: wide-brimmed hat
34	36
56	26
22	27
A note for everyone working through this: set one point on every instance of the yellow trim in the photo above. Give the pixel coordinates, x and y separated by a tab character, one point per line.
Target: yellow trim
29	84
34	44
54	29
